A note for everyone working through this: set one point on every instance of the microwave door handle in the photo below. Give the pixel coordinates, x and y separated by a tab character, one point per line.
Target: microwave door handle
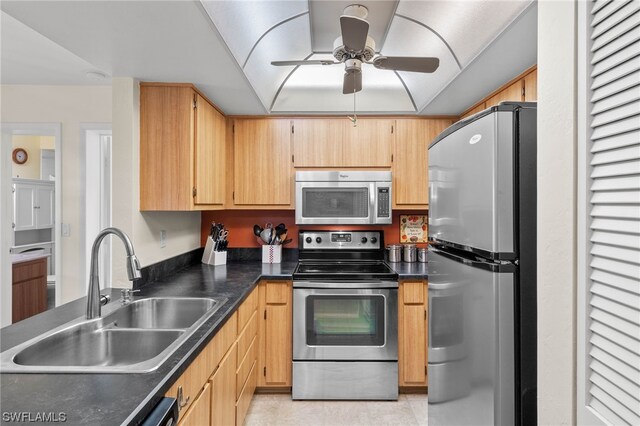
372	202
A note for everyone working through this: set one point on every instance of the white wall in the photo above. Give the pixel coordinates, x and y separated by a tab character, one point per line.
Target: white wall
70	106
183	228
557	253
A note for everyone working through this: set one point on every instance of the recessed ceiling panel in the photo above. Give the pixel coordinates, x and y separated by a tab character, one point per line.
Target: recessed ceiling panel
407	38
288	41
242	23
325	21
467	26
318	88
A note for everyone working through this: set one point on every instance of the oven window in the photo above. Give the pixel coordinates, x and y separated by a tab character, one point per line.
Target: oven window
335	202
345	320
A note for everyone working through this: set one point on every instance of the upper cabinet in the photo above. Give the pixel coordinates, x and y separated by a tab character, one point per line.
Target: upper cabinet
33	204
262	173
410	160
182	149
335	142
531	86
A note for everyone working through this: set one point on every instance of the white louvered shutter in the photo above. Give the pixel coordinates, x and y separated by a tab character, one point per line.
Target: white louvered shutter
613	348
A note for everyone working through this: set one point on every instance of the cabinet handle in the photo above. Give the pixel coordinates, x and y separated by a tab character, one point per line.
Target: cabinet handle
180	397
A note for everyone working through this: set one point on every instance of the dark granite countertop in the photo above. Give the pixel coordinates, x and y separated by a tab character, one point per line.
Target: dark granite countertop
110	399
410	270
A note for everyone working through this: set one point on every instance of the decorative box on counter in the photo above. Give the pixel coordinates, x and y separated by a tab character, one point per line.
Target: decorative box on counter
272	254
212	257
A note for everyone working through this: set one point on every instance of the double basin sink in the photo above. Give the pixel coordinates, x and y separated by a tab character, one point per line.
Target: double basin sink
134	338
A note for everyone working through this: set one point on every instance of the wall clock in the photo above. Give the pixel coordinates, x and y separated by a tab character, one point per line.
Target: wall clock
20	156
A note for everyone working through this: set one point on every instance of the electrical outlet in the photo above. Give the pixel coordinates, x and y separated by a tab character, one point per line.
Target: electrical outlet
66	230
163	238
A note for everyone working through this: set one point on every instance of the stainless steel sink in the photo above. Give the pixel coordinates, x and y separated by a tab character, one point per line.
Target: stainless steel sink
133	338
162	312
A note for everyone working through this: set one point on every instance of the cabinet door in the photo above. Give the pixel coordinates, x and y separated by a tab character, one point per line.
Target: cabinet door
368	144
509	93
45	206
318	142
24	202
262	162
531	86
209	154
275	333
410	160
200	412
412	324
223	390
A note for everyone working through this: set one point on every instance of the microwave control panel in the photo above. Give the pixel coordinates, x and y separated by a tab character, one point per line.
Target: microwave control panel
384	202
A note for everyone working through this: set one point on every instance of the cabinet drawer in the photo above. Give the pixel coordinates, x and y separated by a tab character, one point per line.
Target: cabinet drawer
413	293
247	335
245	366
29	270
200	411
277	292
222	342
244	400
246	309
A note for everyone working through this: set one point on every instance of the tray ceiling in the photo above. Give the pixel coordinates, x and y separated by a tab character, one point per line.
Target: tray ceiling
258	32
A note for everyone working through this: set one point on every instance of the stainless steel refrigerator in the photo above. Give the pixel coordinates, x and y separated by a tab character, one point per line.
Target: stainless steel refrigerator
482	269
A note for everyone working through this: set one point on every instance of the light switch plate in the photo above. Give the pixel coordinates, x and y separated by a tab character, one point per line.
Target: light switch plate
66	229
163	238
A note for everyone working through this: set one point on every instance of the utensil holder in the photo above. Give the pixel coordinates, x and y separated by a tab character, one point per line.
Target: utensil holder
212	257
271	254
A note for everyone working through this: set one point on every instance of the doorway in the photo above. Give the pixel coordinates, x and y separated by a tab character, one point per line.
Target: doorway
31	207
97	196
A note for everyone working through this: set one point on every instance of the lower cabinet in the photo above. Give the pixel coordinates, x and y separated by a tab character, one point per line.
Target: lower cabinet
216	389
412	334
275	334
28	289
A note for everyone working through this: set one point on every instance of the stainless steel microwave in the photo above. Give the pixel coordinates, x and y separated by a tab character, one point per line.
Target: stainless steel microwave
343	198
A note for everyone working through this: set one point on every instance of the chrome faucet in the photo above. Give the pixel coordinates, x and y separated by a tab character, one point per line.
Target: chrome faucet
94	300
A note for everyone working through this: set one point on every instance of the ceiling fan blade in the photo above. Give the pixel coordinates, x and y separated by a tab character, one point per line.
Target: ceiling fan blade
406	63
354	32
312	62
352	82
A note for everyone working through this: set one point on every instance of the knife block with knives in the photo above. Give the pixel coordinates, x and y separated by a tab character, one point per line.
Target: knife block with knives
215	251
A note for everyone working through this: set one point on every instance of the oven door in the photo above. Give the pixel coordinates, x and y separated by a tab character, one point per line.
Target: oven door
335	203
334	324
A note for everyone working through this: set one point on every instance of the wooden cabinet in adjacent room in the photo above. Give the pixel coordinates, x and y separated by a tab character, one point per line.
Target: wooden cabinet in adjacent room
275	331
412	334
410	160
182	149
262	170
29	289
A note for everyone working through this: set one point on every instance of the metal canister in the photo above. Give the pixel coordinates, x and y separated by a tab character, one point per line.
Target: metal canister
395	253
422	255
410	253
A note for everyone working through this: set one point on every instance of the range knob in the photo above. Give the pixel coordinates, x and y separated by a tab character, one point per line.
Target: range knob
363	240
374	240
308	240
318	240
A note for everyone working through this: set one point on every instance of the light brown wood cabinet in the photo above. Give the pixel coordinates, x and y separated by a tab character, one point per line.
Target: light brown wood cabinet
531	86
275	334
410	160
262	163
412	334
335	142
217	387
182	149
28	289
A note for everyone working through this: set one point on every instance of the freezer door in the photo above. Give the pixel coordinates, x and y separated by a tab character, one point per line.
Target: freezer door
471	342
471	175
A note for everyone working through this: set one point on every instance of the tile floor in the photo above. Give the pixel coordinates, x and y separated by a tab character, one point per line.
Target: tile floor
276	410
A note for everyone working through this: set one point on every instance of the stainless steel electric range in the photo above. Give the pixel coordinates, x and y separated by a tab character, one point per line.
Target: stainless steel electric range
345	318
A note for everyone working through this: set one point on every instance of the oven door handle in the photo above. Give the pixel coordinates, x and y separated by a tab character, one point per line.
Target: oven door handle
345	284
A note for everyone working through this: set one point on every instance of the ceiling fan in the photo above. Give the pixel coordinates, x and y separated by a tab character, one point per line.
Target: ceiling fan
355	47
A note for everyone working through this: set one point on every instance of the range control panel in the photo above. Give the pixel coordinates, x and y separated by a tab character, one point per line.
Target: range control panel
341	240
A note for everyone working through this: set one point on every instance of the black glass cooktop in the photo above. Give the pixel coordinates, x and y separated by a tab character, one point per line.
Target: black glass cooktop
350	270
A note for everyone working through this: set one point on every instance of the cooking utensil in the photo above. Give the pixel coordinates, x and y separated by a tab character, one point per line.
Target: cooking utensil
257	229
266	235
287	241
280	226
